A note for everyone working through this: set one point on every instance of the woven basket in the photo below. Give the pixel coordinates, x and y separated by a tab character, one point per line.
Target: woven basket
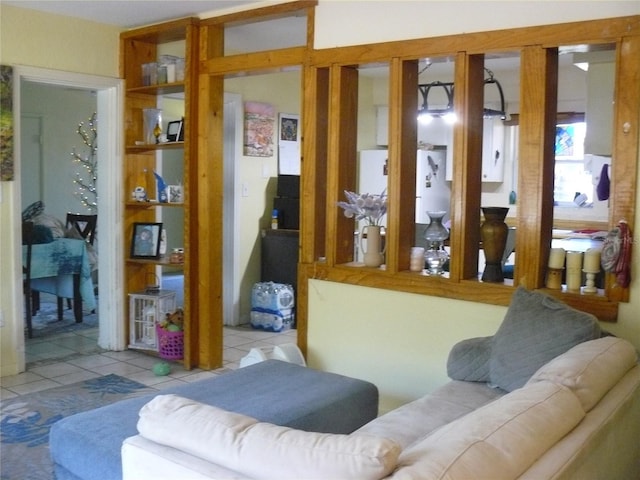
170	344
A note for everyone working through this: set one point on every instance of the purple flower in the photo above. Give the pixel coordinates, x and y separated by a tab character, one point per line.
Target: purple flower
365	206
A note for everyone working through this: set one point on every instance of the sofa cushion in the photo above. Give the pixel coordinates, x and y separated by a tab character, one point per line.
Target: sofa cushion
536	329
498	441
263	450
469	360
590	369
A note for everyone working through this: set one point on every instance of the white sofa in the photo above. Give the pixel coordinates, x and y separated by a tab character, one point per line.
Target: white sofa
577	417
546	397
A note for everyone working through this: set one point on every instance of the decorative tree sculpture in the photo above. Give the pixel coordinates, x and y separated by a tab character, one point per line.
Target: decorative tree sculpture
86	190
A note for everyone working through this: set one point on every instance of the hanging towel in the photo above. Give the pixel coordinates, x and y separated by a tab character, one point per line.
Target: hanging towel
602	189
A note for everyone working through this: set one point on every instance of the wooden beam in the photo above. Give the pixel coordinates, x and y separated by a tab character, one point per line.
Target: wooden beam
538	106
403	141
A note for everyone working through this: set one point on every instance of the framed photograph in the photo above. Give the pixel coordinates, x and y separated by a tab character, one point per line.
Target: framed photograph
175	131
145	242
175	194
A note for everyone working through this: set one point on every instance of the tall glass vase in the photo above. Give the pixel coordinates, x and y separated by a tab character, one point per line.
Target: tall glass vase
494	233
152	121
435	234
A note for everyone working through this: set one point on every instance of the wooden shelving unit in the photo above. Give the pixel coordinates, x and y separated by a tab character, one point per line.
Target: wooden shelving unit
138	47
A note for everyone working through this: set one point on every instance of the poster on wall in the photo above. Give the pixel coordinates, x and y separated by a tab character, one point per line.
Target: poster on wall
289	144
259	120
6	123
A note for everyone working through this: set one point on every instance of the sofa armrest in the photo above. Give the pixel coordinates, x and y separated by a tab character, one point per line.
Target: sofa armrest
142	458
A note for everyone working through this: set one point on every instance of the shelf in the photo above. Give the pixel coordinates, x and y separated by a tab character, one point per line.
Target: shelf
152	204
161	89
148	147
163	261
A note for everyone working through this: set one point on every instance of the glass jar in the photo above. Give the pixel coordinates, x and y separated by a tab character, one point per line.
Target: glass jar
416	261
177	255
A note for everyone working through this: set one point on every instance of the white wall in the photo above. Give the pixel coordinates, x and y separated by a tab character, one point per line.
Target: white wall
47	41
400	341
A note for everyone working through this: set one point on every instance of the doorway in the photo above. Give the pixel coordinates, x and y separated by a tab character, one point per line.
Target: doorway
109	94
57	159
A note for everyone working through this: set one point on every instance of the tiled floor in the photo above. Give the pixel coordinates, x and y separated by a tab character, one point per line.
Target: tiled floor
67	358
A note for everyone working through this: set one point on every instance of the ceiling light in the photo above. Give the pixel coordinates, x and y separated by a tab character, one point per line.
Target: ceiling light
446	110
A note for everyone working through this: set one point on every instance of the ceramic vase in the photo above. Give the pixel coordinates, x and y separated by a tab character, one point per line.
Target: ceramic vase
493	232
371	238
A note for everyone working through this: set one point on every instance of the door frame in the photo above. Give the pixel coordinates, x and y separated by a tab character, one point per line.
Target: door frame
110	101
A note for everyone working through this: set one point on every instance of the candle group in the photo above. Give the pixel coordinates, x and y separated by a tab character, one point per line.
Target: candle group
556	258
592	260
574	270
575	263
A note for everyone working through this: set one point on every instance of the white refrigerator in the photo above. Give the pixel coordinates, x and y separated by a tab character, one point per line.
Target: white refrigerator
433	192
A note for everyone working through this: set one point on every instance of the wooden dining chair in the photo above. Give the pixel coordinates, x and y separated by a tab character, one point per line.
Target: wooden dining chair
84	224
27	240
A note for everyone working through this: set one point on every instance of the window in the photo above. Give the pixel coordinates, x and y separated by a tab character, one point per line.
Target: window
573	185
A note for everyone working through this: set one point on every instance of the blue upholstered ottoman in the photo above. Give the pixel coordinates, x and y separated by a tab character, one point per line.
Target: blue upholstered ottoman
87	445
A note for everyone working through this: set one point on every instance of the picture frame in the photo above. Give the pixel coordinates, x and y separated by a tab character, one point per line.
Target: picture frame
145	240
175	194
289	144
175	131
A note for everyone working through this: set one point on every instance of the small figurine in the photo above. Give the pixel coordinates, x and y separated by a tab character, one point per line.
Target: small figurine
162	189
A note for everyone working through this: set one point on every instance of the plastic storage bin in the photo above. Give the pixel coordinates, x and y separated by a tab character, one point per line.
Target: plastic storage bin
170	344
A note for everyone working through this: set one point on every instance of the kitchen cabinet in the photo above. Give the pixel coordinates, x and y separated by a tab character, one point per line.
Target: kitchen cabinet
493	150
382	125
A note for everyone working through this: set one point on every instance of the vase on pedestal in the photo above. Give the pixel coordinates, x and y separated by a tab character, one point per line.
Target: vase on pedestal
371	237
435	234
493	232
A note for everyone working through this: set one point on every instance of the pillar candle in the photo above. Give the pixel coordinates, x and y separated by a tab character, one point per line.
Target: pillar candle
574	260
556	258
592	260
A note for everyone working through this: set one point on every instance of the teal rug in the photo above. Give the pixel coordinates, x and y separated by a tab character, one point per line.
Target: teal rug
25	421
45	321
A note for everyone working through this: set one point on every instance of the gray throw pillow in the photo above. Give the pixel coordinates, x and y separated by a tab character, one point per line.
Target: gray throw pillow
469	360
536	329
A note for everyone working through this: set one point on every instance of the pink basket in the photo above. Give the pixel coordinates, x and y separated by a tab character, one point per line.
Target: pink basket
170	344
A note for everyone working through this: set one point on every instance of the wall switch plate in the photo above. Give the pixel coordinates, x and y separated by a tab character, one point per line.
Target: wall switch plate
244	190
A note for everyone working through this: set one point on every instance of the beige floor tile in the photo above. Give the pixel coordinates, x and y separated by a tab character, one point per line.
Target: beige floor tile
172	382
148	378
20	379
76	377
198	376
118	368
146	361
34	386
7	394
92	361
81	346
56	369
